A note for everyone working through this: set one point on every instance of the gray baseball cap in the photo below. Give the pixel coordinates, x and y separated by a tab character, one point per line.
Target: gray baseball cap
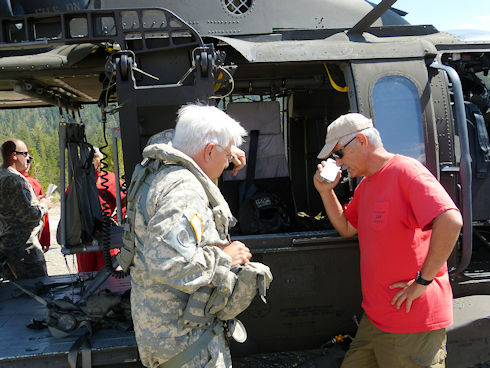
342	126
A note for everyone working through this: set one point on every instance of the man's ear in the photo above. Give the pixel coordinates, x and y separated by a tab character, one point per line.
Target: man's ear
208	150
362	139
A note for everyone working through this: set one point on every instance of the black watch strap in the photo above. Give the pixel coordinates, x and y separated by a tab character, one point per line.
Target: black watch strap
421	281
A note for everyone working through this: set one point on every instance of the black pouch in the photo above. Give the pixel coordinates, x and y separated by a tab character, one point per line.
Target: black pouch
263	213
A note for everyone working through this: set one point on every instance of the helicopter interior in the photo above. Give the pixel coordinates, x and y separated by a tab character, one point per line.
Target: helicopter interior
290	110
473	68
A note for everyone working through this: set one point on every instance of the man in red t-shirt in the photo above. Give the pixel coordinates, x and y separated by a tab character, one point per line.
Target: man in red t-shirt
407	227
45	236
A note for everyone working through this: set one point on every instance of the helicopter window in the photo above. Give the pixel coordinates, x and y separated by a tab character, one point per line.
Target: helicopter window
238	6
78	27
49	29
398	116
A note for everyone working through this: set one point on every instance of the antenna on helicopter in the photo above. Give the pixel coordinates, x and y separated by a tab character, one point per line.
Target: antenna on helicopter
371	17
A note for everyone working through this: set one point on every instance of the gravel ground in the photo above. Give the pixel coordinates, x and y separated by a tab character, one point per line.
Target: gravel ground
56	262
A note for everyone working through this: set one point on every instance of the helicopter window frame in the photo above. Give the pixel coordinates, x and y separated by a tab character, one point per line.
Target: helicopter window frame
390	95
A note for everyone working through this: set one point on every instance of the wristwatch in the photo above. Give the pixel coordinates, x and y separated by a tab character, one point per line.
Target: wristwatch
421	281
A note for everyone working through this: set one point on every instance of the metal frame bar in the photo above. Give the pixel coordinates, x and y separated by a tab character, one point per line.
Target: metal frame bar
464	167
95	31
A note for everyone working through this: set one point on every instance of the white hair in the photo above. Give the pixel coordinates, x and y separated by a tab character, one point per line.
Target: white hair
372	135
199	125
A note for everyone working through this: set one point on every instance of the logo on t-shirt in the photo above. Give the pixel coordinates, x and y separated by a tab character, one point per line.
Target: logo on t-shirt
380	215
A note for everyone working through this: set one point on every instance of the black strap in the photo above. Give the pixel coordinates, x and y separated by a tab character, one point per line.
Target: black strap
252	161
83	345
482	135
83	195
192	350
481	153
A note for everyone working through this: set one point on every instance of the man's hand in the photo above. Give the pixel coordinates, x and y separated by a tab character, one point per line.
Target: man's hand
410	291
238	252
46	201
335	211
239	160
322	185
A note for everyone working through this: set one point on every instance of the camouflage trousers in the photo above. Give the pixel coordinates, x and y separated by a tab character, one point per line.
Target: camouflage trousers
374	348
215	355
32	263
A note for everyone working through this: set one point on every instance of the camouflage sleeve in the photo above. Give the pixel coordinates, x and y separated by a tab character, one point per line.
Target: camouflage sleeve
20	202
176	260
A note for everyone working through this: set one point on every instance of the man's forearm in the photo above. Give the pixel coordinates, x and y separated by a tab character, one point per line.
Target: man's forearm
336	214
445	232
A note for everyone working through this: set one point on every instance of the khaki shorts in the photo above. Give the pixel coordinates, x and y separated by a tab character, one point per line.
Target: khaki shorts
375	348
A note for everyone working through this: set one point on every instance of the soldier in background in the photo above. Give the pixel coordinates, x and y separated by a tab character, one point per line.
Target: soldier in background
94	261
21	215
45	236
182	243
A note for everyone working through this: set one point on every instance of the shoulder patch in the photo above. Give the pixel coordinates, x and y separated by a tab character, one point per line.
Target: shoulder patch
182	238
196	224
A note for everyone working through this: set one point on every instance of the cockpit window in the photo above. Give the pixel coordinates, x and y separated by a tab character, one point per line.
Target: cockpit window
398	116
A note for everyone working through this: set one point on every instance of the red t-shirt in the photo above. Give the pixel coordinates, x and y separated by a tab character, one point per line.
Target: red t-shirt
44	238
392	211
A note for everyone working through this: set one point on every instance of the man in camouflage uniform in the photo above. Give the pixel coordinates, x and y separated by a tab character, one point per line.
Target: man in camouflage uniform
21	214
181	237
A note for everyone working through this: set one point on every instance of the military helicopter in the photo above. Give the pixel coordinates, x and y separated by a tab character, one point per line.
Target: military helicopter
288	76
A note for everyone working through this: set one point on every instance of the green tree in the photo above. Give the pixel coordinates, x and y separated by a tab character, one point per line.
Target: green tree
38	128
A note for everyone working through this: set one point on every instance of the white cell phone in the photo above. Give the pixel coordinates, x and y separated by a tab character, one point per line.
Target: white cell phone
330	171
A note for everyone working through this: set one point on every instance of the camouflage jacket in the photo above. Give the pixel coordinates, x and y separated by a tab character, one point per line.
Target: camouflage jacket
20	213
176	253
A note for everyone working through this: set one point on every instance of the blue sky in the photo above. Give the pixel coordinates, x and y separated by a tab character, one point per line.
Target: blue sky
447	14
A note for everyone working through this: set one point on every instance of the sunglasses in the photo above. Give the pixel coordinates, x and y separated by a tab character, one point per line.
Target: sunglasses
22	153
338	154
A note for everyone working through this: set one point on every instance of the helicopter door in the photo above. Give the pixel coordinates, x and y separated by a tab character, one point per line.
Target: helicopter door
395	94
414	116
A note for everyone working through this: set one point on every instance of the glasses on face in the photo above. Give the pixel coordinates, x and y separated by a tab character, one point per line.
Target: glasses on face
339	153
229	156
22	153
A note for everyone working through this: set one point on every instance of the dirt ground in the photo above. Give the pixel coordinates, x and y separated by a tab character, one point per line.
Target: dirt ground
56	262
